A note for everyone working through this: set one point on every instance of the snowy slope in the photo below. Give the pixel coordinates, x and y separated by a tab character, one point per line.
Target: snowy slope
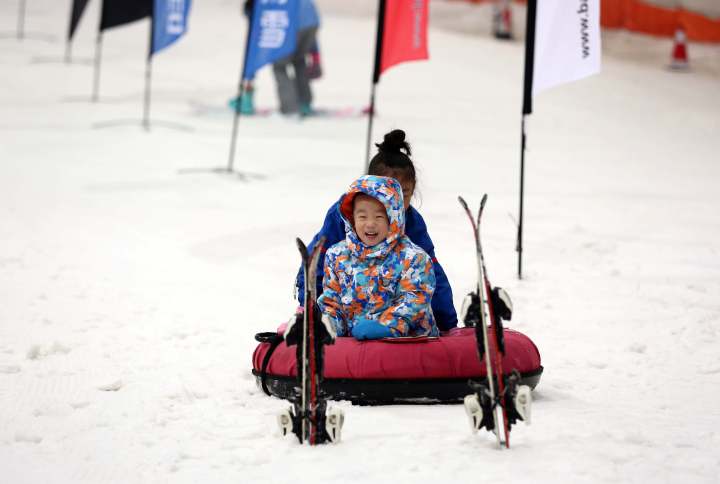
130	288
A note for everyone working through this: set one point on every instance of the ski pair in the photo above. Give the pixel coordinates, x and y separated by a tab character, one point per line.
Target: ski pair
500	401
309	418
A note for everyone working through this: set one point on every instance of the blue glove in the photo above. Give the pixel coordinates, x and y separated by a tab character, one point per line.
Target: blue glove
370	329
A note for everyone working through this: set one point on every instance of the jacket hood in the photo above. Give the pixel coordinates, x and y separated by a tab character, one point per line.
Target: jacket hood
388	192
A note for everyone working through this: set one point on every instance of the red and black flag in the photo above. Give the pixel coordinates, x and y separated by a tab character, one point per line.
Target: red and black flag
402	27
402	33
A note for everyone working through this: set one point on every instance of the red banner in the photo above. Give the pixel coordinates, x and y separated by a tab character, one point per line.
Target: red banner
404	32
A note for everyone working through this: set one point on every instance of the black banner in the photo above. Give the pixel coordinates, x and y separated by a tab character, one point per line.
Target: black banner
78	8
120	12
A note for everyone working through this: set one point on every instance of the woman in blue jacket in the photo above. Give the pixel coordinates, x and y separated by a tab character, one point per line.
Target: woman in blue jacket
392	160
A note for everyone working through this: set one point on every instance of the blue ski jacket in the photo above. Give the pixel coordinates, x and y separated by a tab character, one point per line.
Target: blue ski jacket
334	231
307	15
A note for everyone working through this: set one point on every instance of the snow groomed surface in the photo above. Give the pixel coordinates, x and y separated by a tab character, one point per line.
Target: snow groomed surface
434	370
131	293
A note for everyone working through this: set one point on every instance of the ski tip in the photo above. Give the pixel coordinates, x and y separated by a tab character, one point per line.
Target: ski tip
483	200
301	247
462	202
314	256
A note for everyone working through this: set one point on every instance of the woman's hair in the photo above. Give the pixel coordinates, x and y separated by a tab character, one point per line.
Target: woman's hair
393	158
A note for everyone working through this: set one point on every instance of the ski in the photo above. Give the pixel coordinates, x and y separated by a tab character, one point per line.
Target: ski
500	399
309	418
214	110
481	407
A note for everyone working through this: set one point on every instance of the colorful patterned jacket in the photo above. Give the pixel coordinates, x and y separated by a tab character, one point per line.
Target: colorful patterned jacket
391	282
333	230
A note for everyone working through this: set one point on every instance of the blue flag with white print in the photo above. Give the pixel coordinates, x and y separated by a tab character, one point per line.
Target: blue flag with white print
272	34
170	21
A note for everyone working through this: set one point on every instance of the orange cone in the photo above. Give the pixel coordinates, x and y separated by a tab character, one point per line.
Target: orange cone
502	20
679	52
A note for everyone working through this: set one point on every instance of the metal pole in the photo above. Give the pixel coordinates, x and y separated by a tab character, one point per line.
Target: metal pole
68	41
96	68
371	115
526	109
68	54
240	91
376	76
77	9
236	122
21	21
519	246
148	74
146	109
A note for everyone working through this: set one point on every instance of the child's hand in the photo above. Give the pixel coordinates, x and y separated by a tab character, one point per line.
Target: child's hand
370	329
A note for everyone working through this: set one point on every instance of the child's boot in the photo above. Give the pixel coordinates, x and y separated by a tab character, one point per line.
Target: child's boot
244	104
306	110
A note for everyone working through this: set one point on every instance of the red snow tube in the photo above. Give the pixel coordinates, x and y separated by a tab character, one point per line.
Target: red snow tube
434	370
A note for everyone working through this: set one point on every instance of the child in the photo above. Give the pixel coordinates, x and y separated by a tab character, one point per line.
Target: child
377	283
291	74
393	160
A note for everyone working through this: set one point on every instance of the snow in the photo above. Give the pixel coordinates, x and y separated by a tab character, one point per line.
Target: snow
132	285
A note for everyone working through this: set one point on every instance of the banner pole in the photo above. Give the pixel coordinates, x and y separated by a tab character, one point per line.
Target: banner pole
376	77
148	74
519	246
240	93
96	68
236	122
98	52
68	41
21	21
146	108
371	115
526	109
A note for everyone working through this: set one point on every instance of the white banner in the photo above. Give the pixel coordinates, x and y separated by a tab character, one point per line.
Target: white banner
567	42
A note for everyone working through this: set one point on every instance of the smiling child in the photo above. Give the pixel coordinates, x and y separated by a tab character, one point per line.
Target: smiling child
377	283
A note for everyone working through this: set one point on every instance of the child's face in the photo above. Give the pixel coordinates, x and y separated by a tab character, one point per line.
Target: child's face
370	220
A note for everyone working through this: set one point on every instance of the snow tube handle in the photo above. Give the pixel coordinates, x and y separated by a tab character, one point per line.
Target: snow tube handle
267	337
274	339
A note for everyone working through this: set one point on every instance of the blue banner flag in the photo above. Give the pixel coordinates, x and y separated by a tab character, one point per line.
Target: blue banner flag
170	19
272	34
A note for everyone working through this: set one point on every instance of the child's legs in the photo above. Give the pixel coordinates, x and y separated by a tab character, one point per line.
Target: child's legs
305	41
